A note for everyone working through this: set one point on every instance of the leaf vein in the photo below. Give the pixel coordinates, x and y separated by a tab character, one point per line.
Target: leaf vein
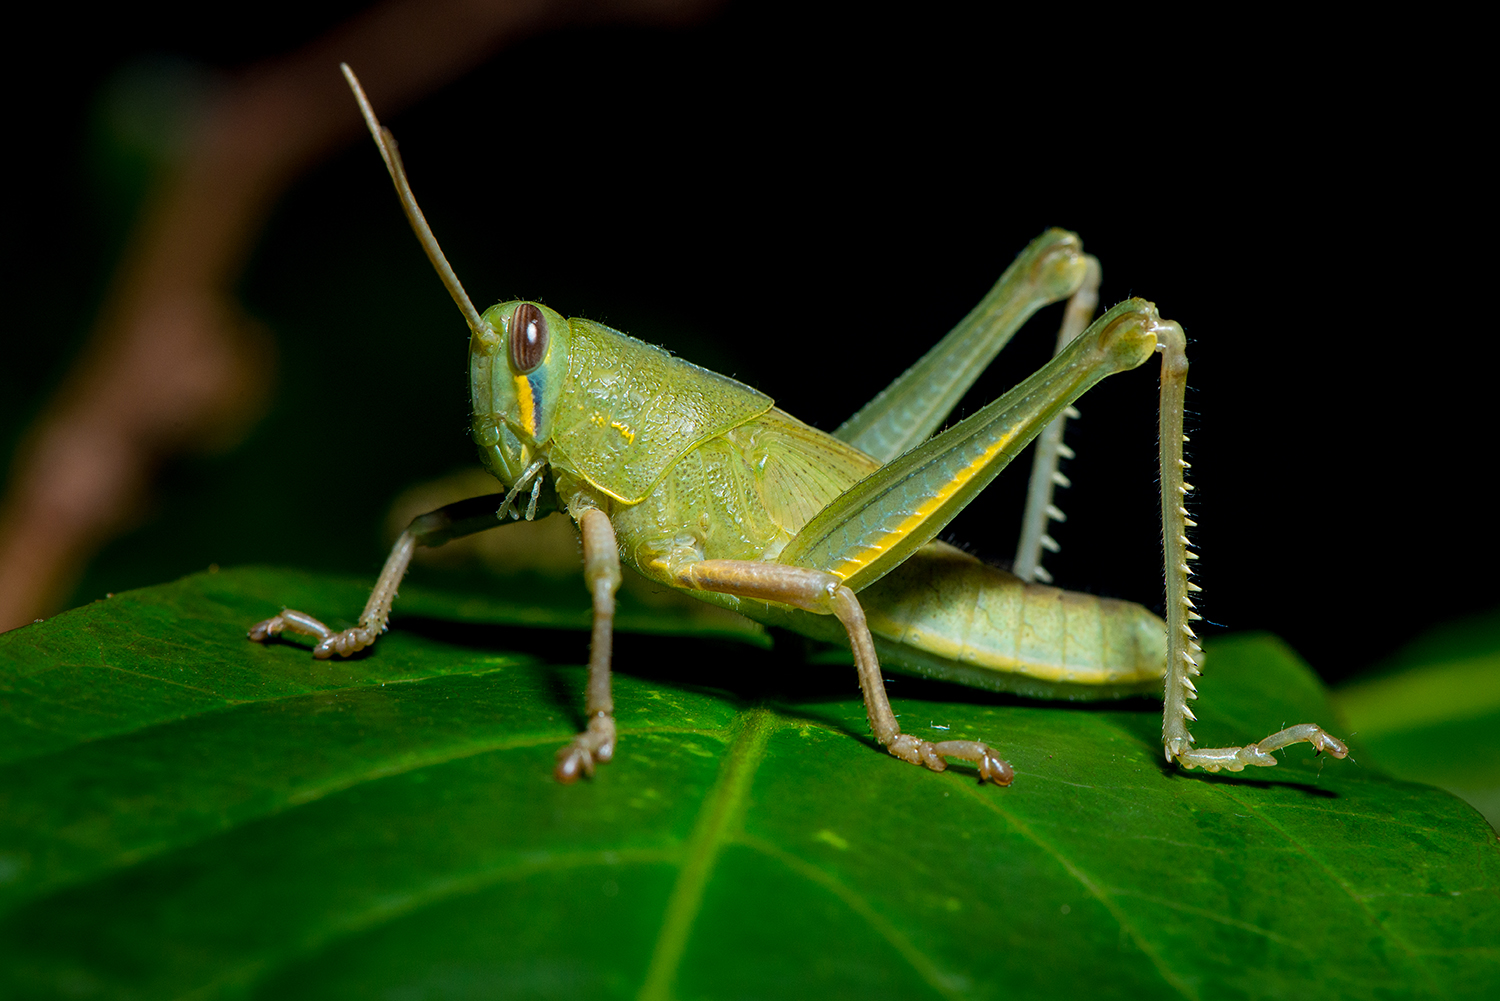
1093	889
390	910
1332	876
918	960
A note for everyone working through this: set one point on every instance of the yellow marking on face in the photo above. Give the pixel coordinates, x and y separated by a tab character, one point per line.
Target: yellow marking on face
625	432
528	404
851	565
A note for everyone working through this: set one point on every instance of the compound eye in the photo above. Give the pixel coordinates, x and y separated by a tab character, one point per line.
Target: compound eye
528	338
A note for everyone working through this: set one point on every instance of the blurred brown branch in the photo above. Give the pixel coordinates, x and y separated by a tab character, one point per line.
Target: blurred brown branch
172	364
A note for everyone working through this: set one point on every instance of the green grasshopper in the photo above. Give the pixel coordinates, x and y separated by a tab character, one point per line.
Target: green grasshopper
700	483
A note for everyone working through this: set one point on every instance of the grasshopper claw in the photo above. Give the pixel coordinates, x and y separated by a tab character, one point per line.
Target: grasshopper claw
265	629
596	745
993	768
1326	743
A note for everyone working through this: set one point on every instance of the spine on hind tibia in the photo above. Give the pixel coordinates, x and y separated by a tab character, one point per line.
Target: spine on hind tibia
1184	655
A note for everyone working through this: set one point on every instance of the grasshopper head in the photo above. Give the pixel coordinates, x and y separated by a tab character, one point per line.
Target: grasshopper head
516	370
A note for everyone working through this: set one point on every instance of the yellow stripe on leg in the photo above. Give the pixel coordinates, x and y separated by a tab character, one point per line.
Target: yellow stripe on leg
850	565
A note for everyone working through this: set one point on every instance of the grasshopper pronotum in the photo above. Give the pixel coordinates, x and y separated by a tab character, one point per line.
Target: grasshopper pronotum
700	483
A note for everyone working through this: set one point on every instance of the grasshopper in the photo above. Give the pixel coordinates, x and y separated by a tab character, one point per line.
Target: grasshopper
700	483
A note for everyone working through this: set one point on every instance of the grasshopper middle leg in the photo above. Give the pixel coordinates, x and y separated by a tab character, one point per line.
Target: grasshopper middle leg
817	591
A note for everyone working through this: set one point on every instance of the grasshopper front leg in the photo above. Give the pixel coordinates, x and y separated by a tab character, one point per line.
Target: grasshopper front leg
431	529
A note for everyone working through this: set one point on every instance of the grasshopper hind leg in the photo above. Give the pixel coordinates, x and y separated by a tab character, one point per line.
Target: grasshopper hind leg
1049	444
1184	655
817	591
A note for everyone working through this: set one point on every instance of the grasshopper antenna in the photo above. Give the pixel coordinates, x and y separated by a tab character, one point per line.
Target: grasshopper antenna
387	144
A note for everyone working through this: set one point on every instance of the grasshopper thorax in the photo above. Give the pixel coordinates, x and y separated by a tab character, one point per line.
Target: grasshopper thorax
517	364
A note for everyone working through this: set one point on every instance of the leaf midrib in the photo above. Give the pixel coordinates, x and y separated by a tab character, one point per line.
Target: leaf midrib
719	816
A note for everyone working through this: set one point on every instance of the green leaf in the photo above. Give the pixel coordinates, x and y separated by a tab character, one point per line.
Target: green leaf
1432	712
186	814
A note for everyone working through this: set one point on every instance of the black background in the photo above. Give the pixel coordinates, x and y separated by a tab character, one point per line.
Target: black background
805	198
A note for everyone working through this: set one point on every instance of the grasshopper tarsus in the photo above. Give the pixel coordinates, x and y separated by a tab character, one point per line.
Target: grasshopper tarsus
992	767
344	643
595	746
1236	759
